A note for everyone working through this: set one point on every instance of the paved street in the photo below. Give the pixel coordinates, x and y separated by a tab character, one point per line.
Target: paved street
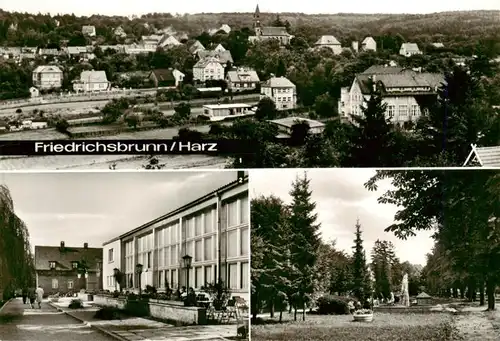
20	323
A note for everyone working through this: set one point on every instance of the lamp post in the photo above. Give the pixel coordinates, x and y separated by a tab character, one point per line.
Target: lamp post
187	265
138	269
116	271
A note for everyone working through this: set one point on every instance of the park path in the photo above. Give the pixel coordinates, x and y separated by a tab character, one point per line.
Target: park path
478	324
21	323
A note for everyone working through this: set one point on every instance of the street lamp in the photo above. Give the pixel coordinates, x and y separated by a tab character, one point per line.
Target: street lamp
138	269
187	265
116	271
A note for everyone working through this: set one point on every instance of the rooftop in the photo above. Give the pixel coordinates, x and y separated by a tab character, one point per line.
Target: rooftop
486	156
227	106
327	40
290	121
64	256
241	75
93	77
410	47
47	68
279	82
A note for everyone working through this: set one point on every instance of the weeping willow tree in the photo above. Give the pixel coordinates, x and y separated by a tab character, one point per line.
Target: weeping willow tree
16	259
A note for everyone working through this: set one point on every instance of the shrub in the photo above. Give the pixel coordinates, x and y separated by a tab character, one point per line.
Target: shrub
75	304
330	304
108	313
116	294
137	308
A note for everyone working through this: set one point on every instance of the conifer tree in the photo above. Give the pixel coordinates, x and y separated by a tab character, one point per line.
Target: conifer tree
361	275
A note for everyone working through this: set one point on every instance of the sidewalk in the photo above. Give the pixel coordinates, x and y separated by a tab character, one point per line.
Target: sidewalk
140	329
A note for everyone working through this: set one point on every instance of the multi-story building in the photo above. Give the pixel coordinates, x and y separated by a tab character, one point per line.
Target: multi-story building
92	81
207	69
213	230
406	92
242	79
47	77
166	77
223	56
60	269
282	91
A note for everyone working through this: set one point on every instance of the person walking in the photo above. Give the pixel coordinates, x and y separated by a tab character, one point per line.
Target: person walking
31	297
39	296
24	294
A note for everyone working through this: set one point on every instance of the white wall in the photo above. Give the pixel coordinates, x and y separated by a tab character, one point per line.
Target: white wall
108	265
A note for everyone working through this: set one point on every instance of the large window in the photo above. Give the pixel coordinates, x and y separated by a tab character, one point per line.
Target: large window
208	248
52	265
208	225
198	251
70	284
173	279
161	284
244	210
232	213
198	225
173	255
161	258
232	244
414	110
110	255
244	276
244	241
198	277
391	110
233	276
208	275
403	110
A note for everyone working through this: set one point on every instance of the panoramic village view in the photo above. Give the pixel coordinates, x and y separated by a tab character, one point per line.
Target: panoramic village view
325	90
356	254
159	256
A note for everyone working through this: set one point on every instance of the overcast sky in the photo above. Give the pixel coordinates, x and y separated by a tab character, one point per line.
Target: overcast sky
96	207
340	200
128	7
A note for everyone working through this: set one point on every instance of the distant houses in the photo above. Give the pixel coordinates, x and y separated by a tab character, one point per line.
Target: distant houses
263	33
46	77
92	81
89	30
329	42
409	49
166	77
208	68
369	44
240	79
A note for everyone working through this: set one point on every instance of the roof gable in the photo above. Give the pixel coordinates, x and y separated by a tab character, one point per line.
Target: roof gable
65	256
485	156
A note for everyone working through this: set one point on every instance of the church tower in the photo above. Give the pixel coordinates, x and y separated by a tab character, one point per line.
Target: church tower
256	22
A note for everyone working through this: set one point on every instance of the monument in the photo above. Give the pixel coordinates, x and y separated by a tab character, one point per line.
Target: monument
405	296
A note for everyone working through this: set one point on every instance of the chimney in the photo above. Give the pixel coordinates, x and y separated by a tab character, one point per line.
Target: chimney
85	245
62	244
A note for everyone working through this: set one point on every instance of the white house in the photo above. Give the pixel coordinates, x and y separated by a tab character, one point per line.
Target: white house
91	81
208	68
34	92
329	42
369	44
226	28
120	32
168	41
219	112
195	47
89	30
224	57
111	259
405	92
438	45
47	77
220	48
151	42
242	79
282	91
409	49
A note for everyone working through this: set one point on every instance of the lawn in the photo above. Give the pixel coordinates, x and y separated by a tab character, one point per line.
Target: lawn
385	327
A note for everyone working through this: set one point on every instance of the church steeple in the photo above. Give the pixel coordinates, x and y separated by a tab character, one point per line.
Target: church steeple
256	21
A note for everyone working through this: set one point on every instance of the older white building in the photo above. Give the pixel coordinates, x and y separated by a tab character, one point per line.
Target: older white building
91	81
47	77
213	230
89	30
407	93
282	91
263	33
207	69
369	44
285	125
409	49
329	42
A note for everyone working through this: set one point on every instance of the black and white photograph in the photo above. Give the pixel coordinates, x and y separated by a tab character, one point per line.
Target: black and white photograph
161	256
366	255
316	84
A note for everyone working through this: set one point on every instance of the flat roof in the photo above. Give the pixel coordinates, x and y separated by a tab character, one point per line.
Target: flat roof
290	121
222	189
227	106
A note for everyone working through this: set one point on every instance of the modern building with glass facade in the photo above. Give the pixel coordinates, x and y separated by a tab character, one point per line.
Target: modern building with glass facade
213	230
